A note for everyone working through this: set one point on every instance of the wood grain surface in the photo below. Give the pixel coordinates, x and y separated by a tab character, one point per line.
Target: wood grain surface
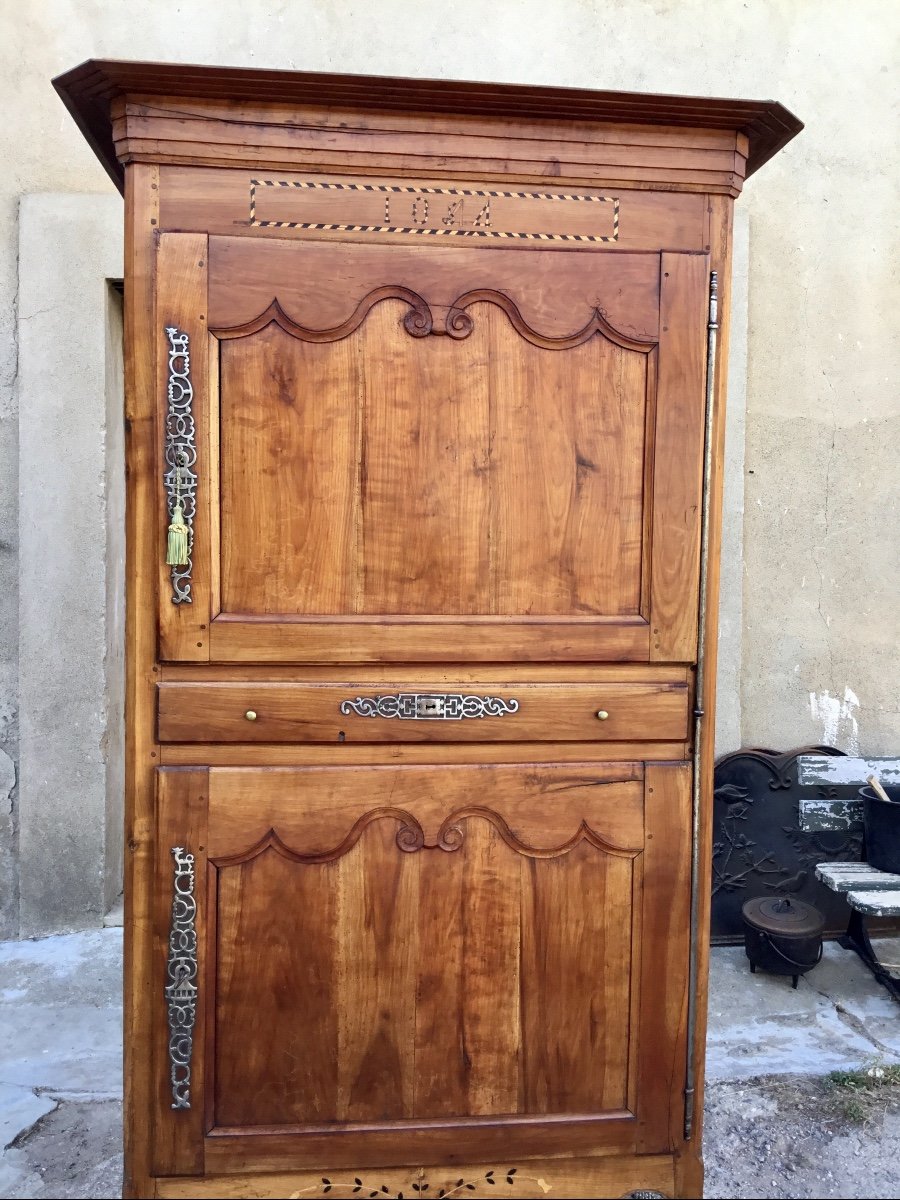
433	476
448	367
143	529
428	947
537	1179
181	264
209	712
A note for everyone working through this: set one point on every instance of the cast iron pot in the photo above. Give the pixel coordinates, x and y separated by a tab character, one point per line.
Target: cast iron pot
781	935
882	824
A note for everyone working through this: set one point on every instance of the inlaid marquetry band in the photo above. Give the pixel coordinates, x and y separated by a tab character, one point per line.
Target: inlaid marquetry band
429	706
181	988
180	478
449	1184
480	227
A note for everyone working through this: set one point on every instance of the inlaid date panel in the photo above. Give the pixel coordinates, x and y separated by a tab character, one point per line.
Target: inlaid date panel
394	210
407	712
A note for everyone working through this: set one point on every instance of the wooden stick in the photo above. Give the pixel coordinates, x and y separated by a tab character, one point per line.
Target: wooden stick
875	784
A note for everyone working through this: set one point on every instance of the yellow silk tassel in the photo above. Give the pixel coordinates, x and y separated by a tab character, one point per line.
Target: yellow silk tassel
177	552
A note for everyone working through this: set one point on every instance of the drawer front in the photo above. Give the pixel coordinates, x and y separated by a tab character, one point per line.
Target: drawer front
470	712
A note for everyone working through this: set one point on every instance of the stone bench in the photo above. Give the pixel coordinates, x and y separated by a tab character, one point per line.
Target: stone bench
870	891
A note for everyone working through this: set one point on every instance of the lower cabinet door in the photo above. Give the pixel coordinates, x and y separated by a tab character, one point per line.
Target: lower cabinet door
371	967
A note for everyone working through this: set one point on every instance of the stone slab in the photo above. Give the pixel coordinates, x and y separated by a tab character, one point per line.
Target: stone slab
838	1017
75	1154
20	1108
859	998
76	968
61	1014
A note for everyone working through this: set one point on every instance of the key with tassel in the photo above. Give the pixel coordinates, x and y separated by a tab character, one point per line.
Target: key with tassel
177	549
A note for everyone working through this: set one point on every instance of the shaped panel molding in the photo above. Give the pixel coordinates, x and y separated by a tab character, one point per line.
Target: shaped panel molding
319	286
411	837
421	319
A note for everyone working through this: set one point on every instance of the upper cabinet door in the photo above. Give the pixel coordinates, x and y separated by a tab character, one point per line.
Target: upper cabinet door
429	452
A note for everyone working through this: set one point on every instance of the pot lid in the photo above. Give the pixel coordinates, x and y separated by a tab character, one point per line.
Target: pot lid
780	914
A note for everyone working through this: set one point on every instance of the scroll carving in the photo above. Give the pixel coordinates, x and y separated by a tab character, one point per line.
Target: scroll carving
412	837
459	324
452	320
418	320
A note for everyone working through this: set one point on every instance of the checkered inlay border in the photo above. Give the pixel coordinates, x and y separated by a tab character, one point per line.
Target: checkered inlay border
424	229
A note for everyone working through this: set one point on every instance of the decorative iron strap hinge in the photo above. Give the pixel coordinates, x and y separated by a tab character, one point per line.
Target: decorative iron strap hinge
181	989
429	706
181	458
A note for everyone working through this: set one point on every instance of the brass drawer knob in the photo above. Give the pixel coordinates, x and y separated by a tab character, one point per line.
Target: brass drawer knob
250	714
602	715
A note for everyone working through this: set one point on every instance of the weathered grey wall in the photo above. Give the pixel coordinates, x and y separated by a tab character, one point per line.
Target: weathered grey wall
70	561
819	632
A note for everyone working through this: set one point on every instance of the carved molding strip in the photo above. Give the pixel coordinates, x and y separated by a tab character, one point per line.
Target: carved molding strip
418	322
181	989
411	837
452	320
180	453
459	324
429	706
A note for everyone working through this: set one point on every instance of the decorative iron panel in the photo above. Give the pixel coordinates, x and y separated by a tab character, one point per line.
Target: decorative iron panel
181	453
181	989
429	706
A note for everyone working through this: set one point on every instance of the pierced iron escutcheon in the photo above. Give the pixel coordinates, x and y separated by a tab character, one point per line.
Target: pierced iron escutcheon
429	706
180	479
181	988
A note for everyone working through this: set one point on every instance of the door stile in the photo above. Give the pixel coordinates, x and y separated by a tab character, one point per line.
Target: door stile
678	491
214	488
664	965
180	919
183	424
211	934
633	1093
649	468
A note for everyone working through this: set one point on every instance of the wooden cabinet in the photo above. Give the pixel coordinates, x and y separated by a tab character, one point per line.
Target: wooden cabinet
424	401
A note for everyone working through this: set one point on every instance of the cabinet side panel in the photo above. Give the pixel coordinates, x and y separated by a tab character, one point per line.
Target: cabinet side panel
721	226
142	532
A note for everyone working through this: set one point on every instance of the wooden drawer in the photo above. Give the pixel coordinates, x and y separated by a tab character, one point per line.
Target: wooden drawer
470	712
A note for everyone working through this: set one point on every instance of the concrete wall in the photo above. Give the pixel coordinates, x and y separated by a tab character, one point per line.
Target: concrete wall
813	651
71	516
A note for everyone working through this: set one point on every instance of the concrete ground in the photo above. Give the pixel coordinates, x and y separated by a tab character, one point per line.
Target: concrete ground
772	1129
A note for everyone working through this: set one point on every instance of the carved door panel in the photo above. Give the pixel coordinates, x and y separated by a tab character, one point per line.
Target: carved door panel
400	960
433	453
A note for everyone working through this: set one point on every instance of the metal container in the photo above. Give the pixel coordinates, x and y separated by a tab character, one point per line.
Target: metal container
882	824
782	936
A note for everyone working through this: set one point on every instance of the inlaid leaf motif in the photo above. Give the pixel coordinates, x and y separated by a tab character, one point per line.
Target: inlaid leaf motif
375	1191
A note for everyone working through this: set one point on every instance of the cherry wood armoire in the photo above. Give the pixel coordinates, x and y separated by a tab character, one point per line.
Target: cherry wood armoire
425	385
